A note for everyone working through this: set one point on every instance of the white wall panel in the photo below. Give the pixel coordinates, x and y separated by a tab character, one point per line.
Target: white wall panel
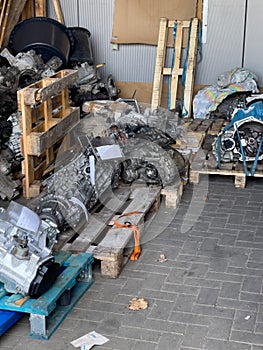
129	62
253	55
224	47
222	52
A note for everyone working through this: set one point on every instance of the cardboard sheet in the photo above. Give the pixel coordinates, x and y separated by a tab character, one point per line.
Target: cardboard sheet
137	21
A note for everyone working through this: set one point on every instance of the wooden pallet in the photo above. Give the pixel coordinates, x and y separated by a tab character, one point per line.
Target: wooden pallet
46	119
205	162
107	243
47	312
176	71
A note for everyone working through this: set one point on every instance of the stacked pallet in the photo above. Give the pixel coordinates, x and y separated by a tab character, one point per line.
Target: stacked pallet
111	245
204	161
46	119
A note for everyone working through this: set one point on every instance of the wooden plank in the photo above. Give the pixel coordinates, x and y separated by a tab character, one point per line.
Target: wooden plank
14	10
117	238
177	62
28	11
4	20
41	8
173	194
58	11
39	142
189	81
99	221
49	87
160	59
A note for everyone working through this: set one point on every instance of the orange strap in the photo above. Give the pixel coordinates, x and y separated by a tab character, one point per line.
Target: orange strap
136	233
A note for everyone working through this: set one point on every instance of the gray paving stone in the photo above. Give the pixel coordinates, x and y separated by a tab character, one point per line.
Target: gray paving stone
248	337
180	288
252	284
214	311
224	277
110	324
235	219
135	319
218	222
216	344
246	236
195	336
154	281
189	318
238	304
170	341
230	290
244	321
259	328
177	276
256	255
228	240
208	296
161	310
239	260
138	333
254	297
257	347
260	314
166	326
219	328
197	270
184	302
205	282
143	345
159	295
199	300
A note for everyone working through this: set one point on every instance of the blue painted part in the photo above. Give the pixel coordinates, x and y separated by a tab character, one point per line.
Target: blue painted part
60	313
8	319
254	110
172	66
71	266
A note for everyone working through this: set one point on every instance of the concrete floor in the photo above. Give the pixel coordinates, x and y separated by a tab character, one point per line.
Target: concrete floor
207	295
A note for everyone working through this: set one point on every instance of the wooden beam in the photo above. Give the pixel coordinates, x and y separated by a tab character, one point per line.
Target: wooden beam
28	11
58	11
41	8
13	12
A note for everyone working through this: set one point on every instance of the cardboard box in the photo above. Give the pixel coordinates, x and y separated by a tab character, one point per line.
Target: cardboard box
137	21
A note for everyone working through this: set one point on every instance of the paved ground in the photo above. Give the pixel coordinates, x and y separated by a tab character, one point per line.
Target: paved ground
207	295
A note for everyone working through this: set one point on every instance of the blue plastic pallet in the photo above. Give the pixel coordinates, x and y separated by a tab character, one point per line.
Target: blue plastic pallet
8	319
46	314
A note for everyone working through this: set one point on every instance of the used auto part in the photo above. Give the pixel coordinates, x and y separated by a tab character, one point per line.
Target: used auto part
242	138
46	36
26	262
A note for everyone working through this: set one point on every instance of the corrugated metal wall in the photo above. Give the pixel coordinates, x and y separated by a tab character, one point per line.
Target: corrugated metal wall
224	47
222	51
253	54
129	62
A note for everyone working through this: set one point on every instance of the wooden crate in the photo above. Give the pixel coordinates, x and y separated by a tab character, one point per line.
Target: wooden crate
46	119
105	241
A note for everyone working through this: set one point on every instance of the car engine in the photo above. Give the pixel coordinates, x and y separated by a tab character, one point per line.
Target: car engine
27	265
241	140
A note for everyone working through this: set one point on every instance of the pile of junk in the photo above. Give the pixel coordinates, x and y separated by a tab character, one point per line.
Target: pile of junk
236	98
116	141
38	48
